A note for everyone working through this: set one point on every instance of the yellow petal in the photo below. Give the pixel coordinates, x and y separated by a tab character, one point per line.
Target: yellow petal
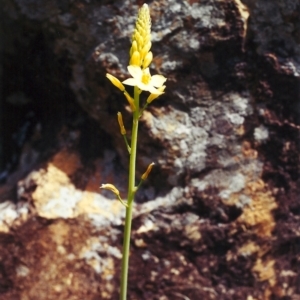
158	80
130	81
154	96
135	71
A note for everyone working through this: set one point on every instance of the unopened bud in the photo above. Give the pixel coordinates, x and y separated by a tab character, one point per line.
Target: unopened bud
145	175
133	48
147	39
147	60
110	187
145	50
135	59
116	82
121	124
140	41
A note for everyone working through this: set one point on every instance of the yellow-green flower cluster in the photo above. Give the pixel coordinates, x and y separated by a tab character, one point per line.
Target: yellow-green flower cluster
140	54
140	59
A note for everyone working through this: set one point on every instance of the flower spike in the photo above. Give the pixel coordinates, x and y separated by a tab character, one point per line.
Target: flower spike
141	36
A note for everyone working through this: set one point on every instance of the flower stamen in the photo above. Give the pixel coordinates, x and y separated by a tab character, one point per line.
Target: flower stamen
146	78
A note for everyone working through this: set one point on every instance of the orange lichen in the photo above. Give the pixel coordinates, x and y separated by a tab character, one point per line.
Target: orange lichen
258	213
265	270
247	151
248	249
257	216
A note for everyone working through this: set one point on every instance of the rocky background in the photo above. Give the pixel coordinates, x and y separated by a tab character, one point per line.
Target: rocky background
219	217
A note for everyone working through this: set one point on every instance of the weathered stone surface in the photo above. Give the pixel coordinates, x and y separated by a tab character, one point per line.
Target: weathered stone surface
219	216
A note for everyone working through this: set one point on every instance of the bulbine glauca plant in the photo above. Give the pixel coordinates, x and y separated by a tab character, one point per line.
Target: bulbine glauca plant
142	81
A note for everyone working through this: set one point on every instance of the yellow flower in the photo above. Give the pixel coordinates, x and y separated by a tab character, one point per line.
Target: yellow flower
144	81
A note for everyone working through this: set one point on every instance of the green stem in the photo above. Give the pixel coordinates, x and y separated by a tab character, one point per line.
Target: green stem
140	183
142	110
130	198
126	143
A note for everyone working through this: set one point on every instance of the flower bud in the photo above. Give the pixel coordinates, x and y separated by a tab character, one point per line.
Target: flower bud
147	39
140	42
147	46
121	124
116	82
145	175
110	187
133	48
135	59
147	60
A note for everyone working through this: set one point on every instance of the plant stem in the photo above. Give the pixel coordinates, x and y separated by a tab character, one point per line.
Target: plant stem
130	198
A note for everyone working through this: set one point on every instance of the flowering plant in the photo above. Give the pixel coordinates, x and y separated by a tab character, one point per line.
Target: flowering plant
140	59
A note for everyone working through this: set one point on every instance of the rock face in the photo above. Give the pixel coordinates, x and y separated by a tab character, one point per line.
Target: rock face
219	216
